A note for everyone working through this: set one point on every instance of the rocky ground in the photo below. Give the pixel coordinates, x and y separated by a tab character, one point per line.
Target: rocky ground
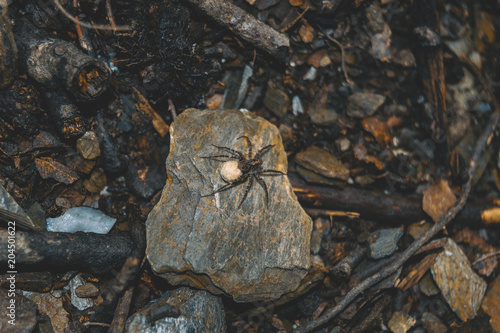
373	110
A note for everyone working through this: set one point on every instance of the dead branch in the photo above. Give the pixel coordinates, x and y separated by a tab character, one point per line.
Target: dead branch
85	251
57	64
121	313
245	26
112	295
65	114
343	268
398	262
372	205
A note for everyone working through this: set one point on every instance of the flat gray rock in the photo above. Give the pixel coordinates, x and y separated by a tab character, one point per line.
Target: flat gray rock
364	104
258	250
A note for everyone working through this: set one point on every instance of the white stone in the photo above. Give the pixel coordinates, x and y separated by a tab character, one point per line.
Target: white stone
81	219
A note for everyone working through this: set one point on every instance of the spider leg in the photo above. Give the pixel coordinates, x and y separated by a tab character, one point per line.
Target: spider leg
236	154
249	143
247	189
217	157
229	185
264	186
262	151
268	172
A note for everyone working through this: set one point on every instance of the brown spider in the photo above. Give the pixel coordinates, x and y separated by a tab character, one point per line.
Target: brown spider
244	168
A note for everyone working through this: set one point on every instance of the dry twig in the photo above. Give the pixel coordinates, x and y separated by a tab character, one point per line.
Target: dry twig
87	25
342	52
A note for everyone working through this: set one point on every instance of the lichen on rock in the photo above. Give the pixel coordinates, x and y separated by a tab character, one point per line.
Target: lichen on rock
255	252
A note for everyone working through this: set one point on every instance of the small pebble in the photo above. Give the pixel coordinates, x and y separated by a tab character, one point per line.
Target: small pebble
79	302
87	290
401	322
384	243
88	146
363	105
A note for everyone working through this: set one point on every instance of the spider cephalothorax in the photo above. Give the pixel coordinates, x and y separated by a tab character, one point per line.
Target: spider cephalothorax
238	168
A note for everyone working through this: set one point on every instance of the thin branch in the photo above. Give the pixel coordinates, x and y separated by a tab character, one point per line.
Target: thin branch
87	25
398	262
291	24
110	15
486	257
342	51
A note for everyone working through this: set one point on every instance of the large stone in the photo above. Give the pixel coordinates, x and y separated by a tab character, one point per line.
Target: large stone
258	251
180	310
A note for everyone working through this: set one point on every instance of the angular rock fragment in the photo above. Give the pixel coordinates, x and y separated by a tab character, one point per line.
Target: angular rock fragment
401	322
432	323
248	248
88	146
84	219
80	303
323	116
276	100
384	243
182	310
363	105
428	286
460	286
323	163
437	200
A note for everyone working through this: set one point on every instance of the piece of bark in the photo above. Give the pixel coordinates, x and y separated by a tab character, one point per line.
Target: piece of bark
431	70
85	251
245	26
121	312
416	272
48	168
142	104
65	114
343	268
57	64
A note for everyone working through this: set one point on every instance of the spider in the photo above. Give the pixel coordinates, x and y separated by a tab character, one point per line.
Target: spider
241	168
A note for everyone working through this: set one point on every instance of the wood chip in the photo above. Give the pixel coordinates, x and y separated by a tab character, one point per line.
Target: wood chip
143	105
48	168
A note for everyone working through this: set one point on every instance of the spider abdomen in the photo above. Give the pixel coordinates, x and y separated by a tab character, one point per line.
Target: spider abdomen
230	171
